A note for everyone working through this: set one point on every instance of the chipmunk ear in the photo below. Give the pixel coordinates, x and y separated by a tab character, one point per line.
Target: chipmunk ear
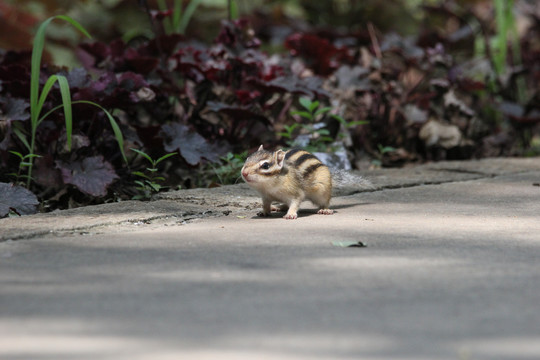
260	148
279	157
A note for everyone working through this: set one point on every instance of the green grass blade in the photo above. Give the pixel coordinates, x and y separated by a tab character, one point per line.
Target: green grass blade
167	23
114	125
164	157
22	137
21	156
177	14
45	92
143	154
188	14
75	24
66	101
502	35
233	10
141	174
37	51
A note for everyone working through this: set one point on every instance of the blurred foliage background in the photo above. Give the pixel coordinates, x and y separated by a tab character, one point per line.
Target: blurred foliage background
386	83
107	20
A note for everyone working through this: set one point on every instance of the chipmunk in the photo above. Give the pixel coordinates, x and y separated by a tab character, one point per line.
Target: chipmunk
288	177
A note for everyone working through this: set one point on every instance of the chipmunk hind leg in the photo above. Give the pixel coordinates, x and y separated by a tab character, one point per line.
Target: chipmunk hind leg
320	196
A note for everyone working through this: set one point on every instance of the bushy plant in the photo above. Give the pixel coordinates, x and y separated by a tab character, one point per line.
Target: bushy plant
207	101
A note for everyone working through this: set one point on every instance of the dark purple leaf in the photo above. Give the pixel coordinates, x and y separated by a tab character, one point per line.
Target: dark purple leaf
78	78
15	80
192	146
45	172
517	114
18	199
235	111
14	109
310	86
237	35
93	55
168	44
246	97
405	46
512	109
92	175
320	54
142	64
355	77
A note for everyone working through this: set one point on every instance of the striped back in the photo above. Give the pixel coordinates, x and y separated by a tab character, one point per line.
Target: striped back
306	164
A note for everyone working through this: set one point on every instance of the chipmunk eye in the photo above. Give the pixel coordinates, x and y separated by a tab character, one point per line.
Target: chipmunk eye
265	166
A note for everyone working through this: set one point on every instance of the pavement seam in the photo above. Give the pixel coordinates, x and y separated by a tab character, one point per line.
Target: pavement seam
185	218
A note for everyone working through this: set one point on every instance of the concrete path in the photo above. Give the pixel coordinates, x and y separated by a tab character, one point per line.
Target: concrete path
451	271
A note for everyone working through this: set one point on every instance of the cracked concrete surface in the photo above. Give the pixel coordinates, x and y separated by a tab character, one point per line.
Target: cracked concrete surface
450	271
185	205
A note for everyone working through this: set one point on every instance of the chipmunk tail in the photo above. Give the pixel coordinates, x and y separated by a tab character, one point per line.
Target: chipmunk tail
346	181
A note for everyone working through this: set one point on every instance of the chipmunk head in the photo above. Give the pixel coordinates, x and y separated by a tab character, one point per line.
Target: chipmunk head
262	166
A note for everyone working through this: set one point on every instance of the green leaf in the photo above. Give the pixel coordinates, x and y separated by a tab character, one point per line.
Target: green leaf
188	13
233	10
139	173
21	156
291	128
323	132
348	244
322	111
303	114
356	123
140	183
21	137
305	102
340	119
143	154
177	13
164	157
66	100
35	68
386	149
44	93
37	52
31	156
313	106
116	130
75	24
114	125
